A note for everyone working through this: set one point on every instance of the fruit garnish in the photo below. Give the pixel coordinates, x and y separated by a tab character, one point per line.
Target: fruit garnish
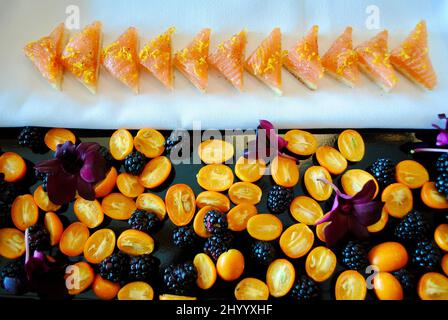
206	271
441	236
105	289
381	223
351	145
214	199
245	192
445	264
198	223
251	289
280	277
24	212
433	286
239	215
54	226
120	58
81	55
129	185
137	290
228	59
180	204
99	246
432	198
135	242
265	62
84	274
12	166
12	243
297	240
150	142
320	264
266	227
57	136
374	61
442	137
320	230
341	61
303	60
89	212
192	60
398	200
118	206
230	265
250	170
387	287
215	151
42	200
350	285
285	171
411	174
156	58
388	256
75	168
73	239
300	142
107	185
215	177
152	203
121	144
412	59
318	189
351	214
45	54
331	159
306	210
155	172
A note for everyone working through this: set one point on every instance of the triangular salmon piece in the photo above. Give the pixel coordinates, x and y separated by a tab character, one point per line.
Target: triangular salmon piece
156	58
45	54
304	62
373	59
411	58
120	58
81	55
341	61
228	58
265	62
192	60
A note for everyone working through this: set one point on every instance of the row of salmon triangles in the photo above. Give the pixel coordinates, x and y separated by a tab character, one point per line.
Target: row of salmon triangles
82	56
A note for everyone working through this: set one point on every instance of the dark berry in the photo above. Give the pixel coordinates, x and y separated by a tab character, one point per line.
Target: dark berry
442	183
181	278
173	142
442	163
354	256
184	237
8	191
279	199
304	289
144	221
115	268
426	256
32	138
143	268
13	277
215	221
43	177
217	244
134	163
383	170
263	252
406	279
413	227
5	214
38	237
110	161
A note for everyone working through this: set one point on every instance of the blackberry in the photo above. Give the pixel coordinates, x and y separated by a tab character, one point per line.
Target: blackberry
181	278
110	161
263	252
406	279
38	237
13	277
304	289
173	142
144	221
442	183
32	138
383	170
43	177
8	191
217	244
5	214
215	221
354	256
426	255
115	268
143	268
184	237
413	227
442	163
279	199
134	163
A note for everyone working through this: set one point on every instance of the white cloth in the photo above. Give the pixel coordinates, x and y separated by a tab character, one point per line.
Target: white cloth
26	98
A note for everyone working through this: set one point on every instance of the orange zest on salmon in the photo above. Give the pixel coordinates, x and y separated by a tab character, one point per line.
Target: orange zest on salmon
303	60
228	59
411	58
341	61
81	55
192	60
265	62
374	61
156	58
45	54
120	58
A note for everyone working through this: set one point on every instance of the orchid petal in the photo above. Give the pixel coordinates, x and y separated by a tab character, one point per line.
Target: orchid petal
94	168
86	147
336	230
357	229
66	147
366	194
51	166
85	189
367	213
61	188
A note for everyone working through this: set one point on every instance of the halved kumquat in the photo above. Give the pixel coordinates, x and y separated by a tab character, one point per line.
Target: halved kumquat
280	277
88	212
354	180
206	271
251	289
137	290
380	224
79	277
118	206
297	240
152	203
180	204
215	177
320	264
433	286
411	173
105	289
24	212
306	210
155	172
54	226
351	145
129	185
57	136
245	192
12	166
250	170
239	215
266	227
12	243
135	242
398	200
285	171
433	198
42	200
318	189
215	151
331	159
150	142
99	246
301	142
198	222
121	144
73	239
350	285
214	199
107	185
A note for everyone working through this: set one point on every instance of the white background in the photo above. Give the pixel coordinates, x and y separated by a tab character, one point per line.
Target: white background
26	99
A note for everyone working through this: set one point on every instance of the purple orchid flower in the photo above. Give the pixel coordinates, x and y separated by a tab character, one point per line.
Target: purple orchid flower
442	137
271	145
351	214
75	168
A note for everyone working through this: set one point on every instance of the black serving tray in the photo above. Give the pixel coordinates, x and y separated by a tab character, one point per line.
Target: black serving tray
379	143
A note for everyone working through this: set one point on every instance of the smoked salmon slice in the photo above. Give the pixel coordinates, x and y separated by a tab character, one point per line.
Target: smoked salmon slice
265	62
192	60
45	54
411	58
341	61
228	58
120	58
303	61
81	55
156	58
373	59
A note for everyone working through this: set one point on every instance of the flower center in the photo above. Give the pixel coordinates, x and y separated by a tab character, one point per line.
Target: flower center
71	162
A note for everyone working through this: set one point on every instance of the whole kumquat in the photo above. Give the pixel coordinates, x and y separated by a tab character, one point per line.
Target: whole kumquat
388	256
230	265
387	287
441	236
